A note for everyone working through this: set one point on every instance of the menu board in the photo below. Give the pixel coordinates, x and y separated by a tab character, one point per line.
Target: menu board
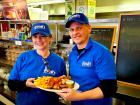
128	53
104	35
13	10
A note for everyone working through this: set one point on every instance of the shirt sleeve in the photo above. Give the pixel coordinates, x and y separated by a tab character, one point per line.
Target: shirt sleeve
17	85
108	87
14	74
63	68
105	65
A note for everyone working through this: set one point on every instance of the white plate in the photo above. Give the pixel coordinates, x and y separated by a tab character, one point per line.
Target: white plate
76	86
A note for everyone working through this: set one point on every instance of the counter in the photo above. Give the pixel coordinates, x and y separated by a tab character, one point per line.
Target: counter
7	96
128	93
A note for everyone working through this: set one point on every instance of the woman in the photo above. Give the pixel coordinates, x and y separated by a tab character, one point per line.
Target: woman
33	64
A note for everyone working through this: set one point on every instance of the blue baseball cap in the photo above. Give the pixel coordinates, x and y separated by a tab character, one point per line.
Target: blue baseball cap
41	28
77	17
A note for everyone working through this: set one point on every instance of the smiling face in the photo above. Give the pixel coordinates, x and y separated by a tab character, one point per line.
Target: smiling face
41	42
80	34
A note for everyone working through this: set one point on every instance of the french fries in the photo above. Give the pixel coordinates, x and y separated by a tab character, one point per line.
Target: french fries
48	82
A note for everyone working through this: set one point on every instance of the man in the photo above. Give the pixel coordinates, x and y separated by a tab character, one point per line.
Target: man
90	64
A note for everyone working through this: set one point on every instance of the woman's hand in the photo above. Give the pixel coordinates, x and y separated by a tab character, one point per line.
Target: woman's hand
69	94
30	82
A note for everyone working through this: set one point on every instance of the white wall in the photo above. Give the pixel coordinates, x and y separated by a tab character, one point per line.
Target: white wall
117	5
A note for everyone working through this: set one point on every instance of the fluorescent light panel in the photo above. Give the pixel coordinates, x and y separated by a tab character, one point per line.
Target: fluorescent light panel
46	2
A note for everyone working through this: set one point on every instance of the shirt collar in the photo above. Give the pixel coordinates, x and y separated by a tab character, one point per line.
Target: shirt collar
88	46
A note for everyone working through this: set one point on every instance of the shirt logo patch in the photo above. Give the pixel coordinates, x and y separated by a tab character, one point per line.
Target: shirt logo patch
86	64
48	71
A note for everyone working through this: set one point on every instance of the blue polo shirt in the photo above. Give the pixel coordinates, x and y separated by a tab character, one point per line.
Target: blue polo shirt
31	65
94	63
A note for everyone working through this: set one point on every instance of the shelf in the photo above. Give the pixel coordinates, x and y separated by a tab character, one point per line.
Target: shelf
56	14
57	17
17	21
66	45
111	20
5	62
26	42
43	2
114	14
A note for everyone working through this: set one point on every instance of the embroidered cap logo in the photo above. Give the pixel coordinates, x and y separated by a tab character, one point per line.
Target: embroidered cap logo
74	16
39	27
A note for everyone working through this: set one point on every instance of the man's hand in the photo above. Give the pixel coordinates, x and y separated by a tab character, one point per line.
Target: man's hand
69	94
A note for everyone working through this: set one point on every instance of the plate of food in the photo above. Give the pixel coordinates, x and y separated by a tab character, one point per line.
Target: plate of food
55	84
